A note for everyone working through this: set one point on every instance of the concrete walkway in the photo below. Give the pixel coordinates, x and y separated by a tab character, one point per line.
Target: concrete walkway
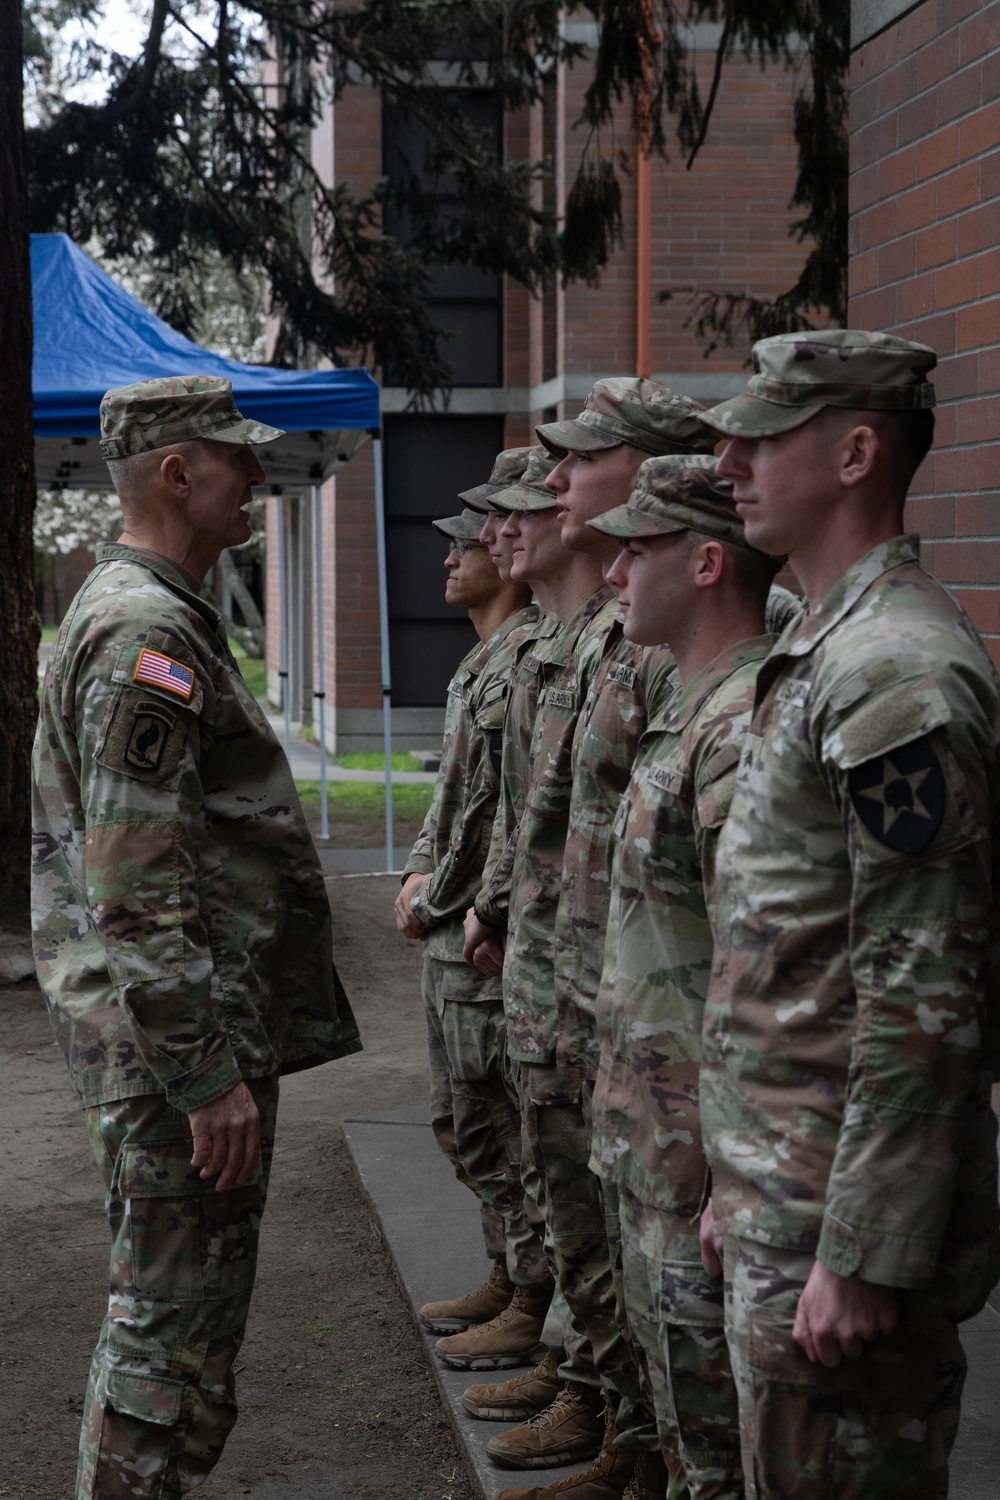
431	1228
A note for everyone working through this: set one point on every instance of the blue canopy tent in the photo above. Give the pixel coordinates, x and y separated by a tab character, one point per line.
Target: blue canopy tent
91	334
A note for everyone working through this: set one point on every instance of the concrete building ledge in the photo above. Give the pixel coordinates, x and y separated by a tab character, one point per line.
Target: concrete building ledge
869	17
704	385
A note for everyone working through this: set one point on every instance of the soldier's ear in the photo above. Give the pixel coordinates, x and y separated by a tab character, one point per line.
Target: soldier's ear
709	559
175	473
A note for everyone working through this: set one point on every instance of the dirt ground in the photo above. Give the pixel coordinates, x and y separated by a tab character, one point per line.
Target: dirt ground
332	1377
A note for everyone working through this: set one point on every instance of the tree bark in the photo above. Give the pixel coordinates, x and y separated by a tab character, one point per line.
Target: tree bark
19	637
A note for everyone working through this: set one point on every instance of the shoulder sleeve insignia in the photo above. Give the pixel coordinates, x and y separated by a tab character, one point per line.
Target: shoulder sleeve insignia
900	796
163	672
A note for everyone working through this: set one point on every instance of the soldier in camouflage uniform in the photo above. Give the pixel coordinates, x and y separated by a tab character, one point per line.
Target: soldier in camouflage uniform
850	1023
597	456
182	933
475	1119
685	576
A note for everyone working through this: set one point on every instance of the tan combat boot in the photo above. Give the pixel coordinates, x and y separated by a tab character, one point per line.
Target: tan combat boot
509	1339
564	1433
516	1400
486	1302
649	1478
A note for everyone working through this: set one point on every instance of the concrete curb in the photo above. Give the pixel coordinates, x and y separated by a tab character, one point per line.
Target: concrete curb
430	1227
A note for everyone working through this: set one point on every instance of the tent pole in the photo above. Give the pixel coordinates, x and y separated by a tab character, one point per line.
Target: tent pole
283	612
324	801
383	616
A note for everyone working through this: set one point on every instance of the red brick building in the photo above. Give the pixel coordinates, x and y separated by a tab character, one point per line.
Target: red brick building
519	360
925	256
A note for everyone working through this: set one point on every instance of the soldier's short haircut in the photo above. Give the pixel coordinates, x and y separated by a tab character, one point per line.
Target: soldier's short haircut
905	435
752	572
130	475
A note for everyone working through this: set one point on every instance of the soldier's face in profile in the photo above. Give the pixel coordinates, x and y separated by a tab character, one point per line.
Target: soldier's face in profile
537	551
649	576
587	485
783	485
472	578
222	477
499	546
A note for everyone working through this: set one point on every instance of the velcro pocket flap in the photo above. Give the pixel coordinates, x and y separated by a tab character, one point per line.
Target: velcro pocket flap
903	1365
885	721
493	706
162	1169
716	795
148	1398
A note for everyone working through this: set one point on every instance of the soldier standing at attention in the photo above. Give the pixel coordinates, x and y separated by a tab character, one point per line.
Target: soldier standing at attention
475	1120
685	576
597	456
845	1087
181	929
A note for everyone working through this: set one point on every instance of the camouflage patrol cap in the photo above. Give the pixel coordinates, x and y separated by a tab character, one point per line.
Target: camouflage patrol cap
463	528
797	374
508	467
676	494
530	492
625	409
175	409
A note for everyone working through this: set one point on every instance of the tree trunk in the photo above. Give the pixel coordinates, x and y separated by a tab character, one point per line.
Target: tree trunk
19	637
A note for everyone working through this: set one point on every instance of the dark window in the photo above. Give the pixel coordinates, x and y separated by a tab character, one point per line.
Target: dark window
427	461
463	302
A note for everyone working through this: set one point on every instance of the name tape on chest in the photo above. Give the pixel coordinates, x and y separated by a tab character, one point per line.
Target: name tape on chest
163	672
624	676
794	691
560	698
665	779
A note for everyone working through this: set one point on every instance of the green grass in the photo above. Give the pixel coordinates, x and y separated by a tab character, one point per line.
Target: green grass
254	671
410	801
374	760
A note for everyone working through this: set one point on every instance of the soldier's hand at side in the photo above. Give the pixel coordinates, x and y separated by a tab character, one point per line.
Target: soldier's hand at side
407	921
711	1243
838	1315
226	1137
488	957
476	932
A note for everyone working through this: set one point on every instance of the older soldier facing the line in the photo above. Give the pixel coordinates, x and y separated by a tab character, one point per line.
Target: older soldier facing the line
182	933
685	576
476	1120
845	1088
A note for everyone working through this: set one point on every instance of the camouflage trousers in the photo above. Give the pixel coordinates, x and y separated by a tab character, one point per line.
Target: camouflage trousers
675	1311
161	1399
475	1113
878	1427
584	1235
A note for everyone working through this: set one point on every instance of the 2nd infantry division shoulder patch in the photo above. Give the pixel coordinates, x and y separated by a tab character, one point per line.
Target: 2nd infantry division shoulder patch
900	796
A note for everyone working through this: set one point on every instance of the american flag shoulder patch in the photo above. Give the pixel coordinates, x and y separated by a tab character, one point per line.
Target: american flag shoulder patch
164	672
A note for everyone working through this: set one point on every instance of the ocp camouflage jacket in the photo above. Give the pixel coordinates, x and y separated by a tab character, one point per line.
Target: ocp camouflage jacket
846	1053
646	1136
182	931
454	841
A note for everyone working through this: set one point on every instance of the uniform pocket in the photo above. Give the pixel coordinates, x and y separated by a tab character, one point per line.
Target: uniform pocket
148	1398
817	1429
185	1242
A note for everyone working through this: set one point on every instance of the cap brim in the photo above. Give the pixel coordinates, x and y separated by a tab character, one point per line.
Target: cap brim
625	521
246	432
521	497
478	498
560	438
754	417
456	529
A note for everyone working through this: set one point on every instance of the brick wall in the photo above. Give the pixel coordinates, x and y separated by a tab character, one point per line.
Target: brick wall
925	263
721	226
